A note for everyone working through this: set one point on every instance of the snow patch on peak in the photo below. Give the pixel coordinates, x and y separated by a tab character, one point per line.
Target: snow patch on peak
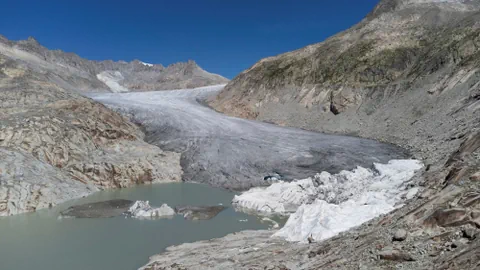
112	79
146	64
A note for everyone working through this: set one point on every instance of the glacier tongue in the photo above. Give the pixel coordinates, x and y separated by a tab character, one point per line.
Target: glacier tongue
328	204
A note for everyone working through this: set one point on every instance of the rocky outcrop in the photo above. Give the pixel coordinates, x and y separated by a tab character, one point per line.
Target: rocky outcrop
75	73
58	145
27	184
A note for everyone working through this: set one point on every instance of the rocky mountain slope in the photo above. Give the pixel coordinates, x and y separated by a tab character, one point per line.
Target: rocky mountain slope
57	145
407	67
75	73
407	74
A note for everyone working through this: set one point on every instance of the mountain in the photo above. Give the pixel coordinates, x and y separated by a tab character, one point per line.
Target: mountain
407	74
55	144
76	73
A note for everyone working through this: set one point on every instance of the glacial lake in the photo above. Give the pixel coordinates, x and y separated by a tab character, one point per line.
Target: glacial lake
43	241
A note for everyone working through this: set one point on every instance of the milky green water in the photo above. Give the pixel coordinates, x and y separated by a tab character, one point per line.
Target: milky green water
41	241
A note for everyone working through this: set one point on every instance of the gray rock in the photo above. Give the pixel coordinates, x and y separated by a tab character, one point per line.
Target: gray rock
400	235
475	177
392	254
469	233
103	209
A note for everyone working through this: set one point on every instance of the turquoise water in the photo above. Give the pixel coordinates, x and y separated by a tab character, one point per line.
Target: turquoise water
42	241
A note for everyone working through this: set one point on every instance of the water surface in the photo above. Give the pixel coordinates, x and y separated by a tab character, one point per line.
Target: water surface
41	241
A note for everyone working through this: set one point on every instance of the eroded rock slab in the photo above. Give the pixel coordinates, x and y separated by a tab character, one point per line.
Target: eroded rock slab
105	209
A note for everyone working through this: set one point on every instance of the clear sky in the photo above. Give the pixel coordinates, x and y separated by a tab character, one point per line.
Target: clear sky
222	36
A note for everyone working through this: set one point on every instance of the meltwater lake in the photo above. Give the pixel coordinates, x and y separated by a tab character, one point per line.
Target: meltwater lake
43	241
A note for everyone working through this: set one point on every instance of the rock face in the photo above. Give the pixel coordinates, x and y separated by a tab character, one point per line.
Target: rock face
57	145
75	73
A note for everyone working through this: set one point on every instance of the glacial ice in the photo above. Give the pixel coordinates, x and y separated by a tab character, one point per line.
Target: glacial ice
280	198
112	80
142	209
327	204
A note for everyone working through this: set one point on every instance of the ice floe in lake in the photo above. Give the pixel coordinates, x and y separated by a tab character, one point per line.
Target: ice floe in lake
327	204
142	209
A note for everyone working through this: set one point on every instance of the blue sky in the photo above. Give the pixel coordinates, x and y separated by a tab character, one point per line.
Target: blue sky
222	36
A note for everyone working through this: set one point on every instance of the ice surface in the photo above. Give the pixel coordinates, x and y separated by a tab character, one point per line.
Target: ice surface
331	203
112	80
142	209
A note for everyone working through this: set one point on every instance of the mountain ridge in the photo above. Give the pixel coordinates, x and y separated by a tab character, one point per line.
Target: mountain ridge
135	75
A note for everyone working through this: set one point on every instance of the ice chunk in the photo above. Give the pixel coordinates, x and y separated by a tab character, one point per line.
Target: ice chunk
281	198
372	193
142	209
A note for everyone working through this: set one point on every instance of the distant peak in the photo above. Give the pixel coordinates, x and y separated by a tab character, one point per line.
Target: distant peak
33	40
192	62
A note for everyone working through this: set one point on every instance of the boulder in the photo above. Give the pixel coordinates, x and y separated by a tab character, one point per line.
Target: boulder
392	254
475	177
400	235
447	217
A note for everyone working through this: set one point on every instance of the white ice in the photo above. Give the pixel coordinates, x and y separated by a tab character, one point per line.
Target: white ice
329	204
142	209
112	80
281	198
